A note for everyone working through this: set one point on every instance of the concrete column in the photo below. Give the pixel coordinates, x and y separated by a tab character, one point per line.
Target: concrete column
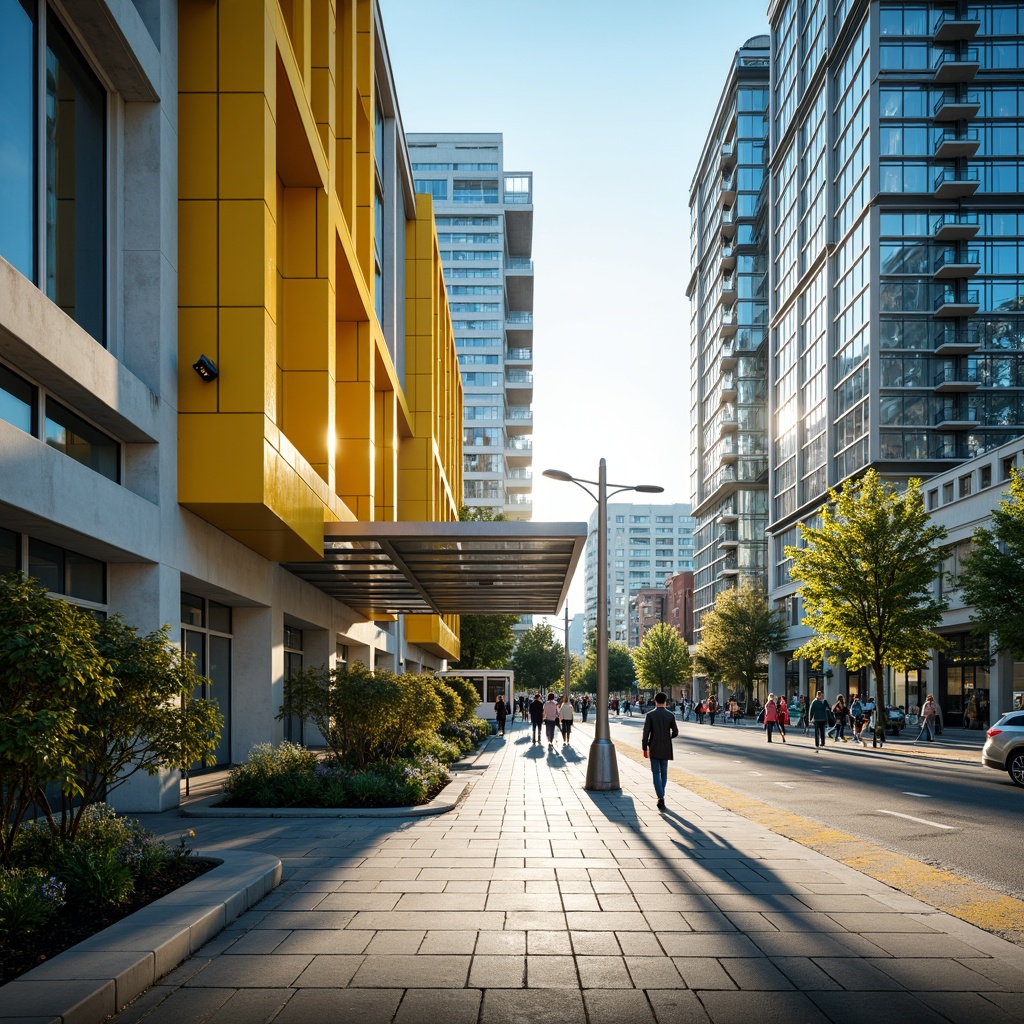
257	669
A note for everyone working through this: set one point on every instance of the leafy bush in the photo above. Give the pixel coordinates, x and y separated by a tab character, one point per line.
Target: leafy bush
435	746
95	876
468	694
280	776
451	702
28	899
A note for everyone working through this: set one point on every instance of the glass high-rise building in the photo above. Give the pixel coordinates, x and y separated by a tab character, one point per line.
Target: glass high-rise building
484	220
897	251
729	322
646	545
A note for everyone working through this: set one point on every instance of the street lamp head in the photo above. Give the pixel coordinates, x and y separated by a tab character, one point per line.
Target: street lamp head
557	474
648	488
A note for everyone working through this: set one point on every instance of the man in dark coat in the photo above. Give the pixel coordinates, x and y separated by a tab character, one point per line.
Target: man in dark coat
536	716
659	730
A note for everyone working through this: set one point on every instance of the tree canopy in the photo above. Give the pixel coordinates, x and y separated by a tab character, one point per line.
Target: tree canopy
539	659
866	576
485	641
621	670
662	660
738	635
992	575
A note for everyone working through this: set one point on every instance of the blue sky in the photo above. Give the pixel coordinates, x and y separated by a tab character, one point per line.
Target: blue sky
608	104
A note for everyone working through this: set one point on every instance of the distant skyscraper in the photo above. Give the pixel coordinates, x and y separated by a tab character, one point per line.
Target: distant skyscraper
484	220
897	253
646	545
729	311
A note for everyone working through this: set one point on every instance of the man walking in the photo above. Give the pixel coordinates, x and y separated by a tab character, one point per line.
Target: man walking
659	730
536	717
818	714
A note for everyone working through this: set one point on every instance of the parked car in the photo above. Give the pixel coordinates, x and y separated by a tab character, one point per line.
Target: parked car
1004	748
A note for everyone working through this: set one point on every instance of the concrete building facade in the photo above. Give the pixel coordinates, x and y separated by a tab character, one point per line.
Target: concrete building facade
223	326
485	229
728	329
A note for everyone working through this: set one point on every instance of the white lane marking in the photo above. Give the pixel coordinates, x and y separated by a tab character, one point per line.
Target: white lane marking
920	821
755	773
923	796
785	785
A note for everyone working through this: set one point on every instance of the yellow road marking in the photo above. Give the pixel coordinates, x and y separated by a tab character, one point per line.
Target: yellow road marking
970	901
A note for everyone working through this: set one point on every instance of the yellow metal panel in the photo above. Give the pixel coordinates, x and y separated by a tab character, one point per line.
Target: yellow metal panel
308	318
246	373
247	47
220	456
307	412
197	46
433	634
347	351
299	224
197	145
247	254
247	145
197	247
354	409
197	335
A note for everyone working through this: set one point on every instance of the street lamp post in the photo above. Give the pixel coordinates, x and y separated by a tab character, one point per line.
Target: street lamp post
602	767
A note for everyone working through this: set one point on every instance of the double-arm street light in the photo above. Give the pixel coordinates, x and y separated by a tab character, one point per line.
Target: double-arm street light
602	767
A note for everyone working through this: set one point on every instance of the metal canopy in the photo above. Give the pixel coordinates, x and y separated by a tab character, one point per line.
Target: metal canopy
475	568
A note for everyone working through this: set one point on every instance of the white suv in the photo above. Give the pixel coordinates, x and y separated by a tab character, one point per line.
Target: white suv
1004	748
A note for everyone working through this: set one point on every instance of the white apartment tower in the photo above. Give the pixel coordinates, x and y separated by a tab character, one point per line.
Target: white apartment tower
484	220
646	545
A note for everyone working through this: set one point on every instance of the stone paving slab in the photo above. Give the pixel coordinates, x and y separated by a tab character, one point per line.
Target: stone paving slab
533	900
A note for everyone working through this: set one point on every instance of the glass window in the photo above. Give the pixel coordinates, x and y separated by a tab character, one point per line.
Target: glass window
10	551
76	105
86	578
17	401
46	564
84	443
17	135
220	617
436	187
192	610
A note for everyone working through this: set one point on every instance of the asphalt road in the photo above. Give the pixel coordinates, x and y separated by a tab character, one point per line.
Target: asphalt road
955	815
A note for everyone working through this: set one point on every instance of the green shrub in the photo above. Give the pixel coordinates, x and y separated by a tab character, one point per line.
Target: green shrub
280	776
451	702
468	694
443	750
28	899
96	877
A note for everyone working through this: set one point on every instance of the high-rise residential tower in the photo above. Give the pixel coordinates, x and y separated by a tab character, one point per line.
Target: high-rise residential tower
484	220
729	319
897	251
646	545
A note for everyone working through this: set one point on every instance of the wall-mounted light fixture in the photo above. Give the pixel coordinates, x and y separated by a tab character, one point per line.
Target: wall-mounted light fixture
206	368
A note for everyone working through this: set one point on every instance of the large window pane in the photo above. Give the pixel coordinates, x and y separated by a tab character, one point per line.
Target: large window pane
75	208
46	564
84	443
17	135
86	578
10	545
17	401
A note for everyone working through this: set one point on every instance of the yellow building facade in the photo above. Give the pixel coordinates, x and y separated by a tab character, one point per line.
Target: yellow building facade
309	273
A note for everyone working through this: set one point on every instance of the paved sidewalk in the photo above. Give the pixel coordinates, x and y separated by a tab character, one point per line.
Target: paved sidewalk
535	900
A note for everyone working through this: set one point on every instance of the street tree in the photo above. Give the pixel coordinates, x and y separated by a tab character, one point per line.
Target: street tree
621	670
737	637
992	575
485	641
662	660
867	575
539	659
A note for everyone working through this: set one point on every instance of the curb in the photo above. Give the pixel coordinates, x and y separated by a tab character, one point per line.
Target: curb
447	800
101	975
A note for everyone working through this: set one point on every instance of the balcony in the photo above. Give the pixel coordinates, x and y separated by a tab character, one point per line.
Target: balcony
951	183
519	318
728	538
951	28
519	479
518	499
519	416
953	64
729	567
953	263
727	192
518	265
728	451
727	421
728	325
952	379
956	419
519	449
951	342
728	391
519	378
954	303
952	227
728	222
727	296
727	357
727	154
952	106
949	143
727	515
514	356
727	257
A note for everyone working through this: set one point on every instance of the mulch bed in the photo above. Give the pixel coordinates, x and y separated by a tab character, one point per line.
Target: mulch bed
73	924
